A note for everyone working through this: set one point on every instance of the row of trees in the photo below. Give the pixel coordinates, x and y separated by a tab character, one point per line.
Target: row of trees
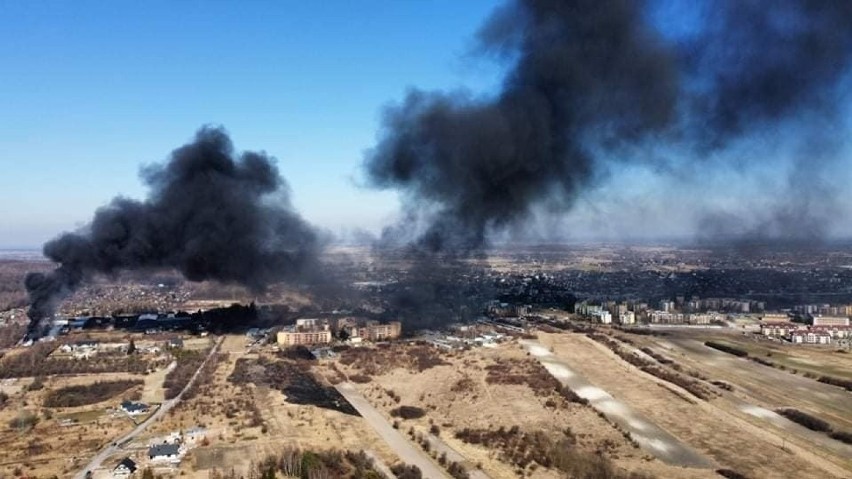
691	385
36	361
295	462
188	361
527	449
815	424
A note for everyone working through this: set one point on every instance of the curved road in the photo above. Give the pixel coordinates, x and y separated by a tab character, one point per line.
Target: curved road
113	448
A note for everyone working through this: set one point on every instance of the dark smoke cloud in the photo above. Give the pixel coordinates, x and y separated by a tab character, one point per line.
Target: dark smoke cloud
212	214
590	81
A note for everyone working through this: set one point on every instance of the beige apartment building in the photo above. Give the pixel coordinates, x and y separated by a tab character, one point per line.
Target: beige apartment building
303	338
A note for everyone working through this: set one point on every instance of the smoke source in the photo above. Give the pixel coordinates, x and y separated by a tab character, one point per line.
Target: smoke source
595	81
212	214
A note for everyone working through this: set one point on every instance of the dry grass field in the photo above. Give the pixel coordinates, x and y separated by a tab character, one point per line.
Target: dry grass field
497	407
726	428
57	441
247	422
465	393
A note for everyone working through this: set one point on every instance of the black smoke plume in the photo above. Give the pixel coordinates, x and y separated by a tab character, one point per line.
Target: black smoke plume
211	214
592	81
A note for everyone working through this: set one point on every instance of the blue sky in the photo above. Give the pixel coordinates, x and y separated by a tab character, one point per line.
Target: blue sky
92	90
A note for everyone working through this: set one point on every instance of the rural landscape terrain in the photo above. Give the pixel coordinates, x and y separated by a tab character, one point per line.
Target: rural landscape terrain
527	384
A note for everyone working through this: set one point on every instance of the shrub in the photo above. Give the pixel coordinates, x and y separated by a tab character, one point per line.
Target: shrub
842	436
24	421
406	471
728	473
726	349
810	422
571	396
360	378
843	383
408	412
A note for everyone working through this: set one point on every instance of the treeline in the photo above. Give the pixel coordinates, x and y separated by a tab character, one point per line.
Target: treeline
815	424
726	349
730	474
85	394
406	471
35	361
843	383
526	449
294	462
205	377
455	469
692	386
188	362
834	381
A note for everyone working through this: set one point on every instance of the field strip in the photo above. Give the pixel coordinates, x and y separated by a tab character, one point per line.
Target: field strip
648	435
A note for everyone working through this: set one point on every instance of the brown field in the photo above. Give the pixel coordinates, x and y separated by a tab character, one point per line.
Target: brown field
239	437
482	389
720	428
52	446
458	395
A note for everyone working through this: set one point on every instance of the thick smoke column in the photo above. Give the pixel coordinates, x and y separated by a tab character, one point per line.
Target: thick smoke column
592	81
211	214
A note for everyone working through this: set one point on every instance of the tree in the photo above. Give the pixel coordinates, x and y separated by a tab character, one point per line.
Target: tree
131	348
148	473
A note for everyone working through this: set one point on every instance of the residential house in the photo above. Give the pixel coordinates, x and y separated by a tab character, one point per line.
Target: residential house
124	469
164	453
133	408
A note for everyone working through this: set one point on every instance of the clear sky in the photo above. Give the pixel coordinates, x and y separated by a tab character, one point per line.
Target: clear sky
91	90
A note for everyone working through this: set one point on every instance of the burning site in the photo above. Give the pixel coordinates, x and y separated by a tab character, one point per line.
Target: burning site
488	239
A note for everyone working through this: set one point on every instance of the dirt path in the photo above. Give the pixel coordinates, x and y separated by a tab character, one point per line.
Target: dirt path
405	450
650	437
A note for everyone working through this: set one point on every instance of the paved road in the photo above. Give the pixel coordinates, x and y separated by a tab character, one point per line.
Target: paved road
405	450
113	448
648	435
440	446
